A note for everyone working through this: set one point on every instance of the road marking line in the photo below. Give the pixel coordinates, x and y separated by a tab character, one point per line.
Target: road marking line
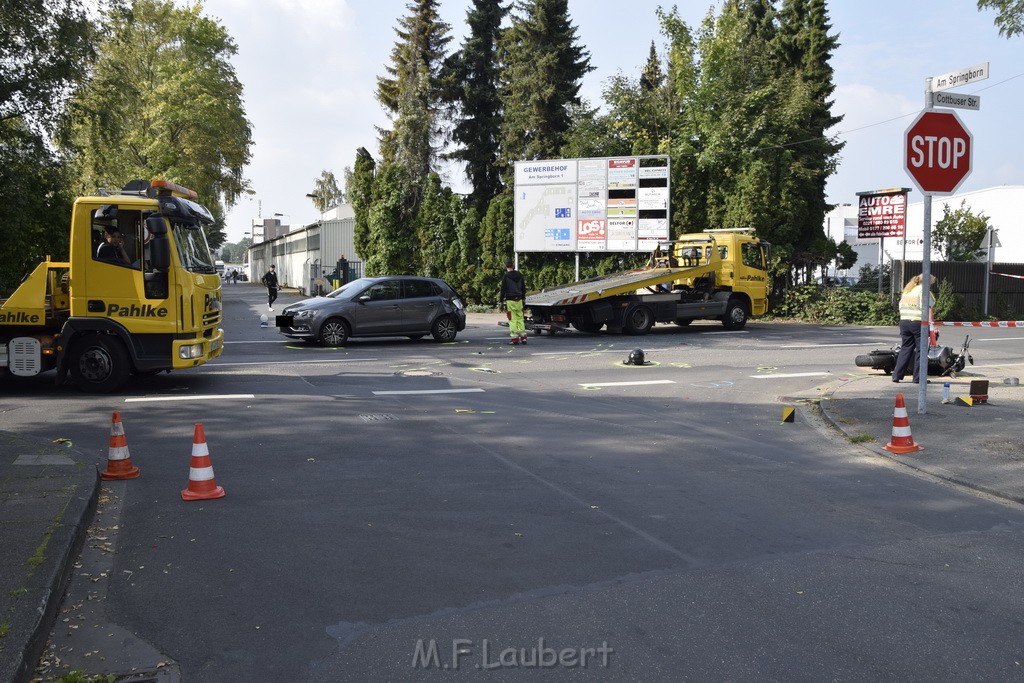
211	397
625	384
818	346
213	364
578	353
793	374
427	391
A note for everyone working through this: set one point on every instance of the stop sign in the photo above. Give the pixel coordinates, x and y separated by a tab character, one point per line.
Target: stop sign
938	152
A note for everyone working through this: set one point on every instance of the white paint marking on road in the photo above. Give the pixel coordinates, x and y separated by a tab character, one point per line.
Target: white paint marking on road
214	364
578	353
427	391
625	384
819	346
209	397
792	374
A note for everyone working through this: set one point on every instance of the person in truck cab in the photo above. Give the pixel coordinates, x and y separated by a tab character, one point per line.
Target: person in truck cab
112	248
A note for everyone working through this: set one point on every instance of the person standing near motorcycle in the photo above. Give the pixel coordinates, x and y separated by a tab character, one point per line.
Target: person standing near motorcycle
914	306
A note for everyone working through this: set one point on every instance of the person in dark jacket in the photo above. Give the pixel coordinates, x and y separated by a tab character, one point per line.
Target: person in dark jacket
269	281
512	294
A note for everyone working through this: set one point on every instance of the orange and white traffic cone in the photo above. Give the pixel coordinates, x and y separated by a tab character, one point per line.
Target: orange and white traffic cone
119	461
902	441
201	484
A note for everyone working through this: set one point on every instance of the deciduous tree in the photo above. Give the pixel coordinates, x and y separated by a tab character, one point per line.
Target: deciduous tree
164	101
1009	15
326	194
958	234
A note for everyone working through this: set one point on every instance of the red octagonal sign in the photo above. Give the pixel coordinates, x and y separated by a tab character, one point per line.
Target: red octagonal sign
938	152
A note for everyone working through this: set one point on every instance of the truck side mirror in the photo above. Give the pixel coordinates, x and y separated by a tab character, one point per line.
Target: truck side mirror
156	225
159	246
160	252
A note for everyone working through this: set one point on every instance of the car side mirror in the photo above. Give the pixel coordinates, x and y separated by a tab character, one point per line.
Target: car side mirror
364	298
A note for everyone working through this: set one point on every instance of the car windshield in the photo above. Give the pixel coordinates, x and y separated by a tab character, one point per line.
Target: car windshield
348	290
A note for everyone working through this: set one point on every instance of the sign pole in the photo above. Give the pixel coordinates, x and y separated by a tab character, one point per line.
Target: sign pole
926	279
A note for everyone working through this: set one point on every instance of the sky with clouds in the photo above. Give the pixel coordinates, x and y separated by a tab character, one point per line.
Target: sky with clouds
310	67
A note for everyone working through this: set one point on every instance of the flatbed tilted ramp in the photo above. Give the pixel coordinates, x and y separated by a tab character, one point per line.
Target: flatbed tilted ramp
611	285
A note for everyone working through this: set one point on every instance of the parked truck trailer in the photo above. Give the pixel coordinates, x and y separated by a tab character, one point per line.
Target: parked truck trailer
718	274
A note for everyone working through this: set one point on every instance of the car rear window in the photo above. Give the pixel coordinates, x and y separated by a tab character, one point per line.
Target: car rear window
415	289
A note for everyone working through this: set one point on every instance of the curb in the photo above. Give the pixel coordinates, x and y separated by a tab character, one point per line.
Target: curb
51	578
925	468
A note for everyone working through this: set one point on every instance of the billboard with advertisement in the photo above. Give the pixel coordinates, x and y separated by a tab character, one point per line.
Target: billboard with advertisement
618	204
882	213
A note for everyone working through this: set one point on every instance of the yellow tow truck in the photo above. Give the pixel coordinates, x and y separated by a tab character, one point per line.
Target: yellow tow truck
139	293
717	274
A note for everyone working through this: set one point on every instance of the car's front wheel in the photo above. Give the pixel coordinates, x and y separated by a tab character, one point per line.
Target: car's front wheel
444	329
334	332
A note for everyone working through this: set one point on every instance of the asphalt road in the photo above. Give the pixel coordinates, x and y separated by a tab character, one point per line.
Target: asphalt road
403	510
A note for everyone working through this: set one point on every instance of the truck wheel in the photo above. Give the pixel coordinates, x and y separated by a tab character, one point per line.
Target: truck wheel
735	317
99	364
334	332
588	326
639	320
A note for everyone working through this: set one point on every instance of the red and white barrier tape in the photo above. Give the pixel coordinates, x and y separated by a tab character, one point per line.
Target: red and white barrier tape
987	323
1019	277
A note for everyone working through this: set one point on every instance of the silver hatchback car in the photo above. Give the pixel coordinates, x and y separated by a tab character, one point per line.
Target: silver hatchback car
387	306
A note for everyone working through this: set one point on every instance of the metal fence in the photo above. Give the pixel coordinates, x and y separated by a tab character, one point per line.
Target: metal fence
1005	294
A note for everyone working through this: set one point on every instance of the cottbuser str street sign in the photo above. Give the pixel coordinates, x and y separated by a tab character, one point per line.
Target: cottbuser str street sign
938	152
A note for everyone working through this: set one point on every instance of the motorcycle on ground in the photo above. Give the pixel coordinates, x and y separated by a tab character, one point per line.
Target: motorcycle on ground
942	360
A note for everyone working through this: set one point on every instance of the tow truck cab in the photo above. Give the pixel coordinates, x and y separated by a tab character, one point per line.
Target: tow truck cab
138	295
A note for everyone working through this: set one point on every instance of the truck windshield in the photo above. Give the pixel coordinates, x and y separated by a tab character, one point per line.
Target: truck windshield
192	248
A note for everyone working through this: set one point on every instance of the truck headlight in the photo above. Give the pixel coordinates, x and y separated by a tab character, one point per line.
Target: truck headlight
190	351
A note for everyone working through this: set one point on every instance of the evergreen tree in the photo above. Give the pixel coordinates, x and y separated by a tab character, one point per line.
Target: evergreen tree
411	92
437	230
391	246
543	71
805	47
540	82
359	183
471	79
640	109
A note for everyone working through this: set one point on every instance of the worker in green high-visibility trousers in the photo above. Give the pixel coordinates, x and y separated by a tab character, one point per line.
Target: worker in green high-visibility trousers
512	294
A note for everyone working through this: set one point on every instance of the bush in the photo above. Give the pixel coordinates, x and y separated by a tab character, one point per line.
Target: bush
836	306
